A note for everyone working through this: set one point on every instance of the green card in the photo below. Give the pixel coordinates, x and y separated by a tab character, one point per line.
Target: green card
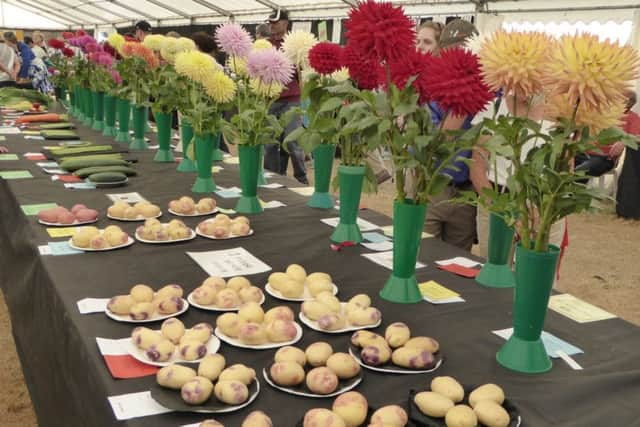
35	209
8	157
15	174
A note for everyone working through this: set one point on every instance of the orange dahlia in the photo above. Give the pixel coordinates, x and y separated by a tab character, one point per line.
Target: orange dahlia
560	106
134	49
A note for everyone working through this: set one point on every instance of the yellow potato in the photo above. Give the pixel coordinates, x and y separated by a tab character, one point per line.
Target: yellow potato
296	272
314	309
318	287
197	390
145	338
449	387
281	330
491	414
228	298
433	404
230	324
328	299
425	343
171	290
252	293
332	322
364	316
320	417
199	332
376	354
322	277
192	350
251	312
217	283
491	392
174	376
322	380
238	372
343	365
397	334
351	407
360	300
121	304
318	353
276	280
208	423
211	366
290	354
231	392
281	312
141	311
257	419
287	373
204	295
461	416
253	334
365	338
173	330
292	289
392	416
413	358
238	283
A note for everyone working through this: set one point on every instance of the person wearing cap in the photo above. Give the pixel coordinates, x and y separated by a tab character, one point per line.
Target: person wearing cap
143	29
276	157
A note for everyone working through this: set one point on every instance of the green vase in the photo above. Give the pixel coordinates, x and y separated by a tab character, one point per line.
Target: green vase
72	102
163	122
351	178
496	272
98	111
408	223
218	155
262	180
139	121
249	168
535	272
123	107
204	154
186	136
80	107
147	128
323	157
88	113
109	116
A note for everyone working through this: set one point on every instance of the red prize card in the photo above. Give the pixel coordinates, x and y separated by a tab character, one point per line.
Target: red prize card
470	273
69	178
35	157
125	366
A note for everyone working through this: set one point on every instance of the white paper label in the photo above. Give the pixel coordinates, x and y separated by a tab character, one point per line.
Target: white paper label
461	261
229	262
273	185
44	250
127	197
385	259
109	347
92	305
134	405
363	224
379	247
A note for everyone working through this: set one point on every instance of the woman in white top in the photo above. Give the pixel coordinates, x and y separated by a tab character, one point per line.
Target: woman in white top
38	47
9	65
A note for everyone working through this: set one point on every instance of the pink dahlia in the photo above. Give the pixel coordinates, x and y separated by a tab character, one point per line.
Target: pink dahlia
116	77
105	60
233	39
270	66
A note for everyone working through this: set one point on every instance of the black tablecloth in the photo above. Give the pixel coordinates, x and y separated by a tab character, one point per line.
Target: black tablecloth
69	382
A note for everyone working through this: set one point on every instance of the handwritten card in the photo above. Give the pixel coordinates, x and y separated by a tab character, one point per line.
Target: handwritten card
375	237
378	247
134	405
385	259
461	261
552	344
127	197
62	248
577	309
229	262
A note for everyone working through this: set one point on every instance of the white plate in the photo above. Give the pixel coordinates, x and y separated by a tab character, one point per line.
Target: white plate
237	407
213	307
196	214
140	218
349	328
400	370
237	343
301	393
158	317
130	242
137	353
224	238
306	296
160	242
57	224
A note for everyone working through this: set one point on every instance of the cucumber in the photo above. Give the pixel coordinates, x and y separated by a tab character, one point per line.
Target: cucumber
75	164
107	177
85	172
77	150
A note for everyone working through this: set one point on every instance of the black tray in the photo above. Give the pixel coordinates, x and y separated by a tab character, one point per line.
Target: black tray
391	368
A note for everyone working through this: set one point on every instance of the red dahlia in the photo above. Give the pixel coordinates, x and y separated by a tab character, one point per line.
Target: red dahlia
68	35
362	70
326	57
401	70
81	33
380	31
455	83
67	52
55	43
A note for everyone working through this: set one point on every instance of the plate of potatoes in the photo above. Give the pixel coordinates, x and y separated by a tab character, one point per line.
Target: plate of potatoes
295	285
352	409
449	404
154	232
141	211
397	352
217	294
211	388
92	239
315	372
187	207
143	305
221	227
325	313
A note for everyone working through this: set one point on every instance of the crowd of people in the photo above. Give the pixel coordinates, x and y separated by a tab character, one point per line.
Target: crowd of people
24	63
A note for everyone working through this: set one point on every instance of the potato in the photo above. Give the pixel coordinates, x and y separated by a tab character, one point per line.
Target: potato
130	213
81	240
192	350
203	207
238	283
222	219
231	392
486	392
197	390
314	309
174	376
240	229
207	227
281	331
211	366
252	293
199	332
161	352
98	242
49	215
172	290
145	233
117	238
318	353
171	305
320	417
397	334
332	322
238	372
461	416
142	293
318	287
230	324
253	334
177	233
433	404
352	408
296	272
204	295
276	280
217	283
292	289
281	312
343	365
117	211
141	311
86	215
251	312
242	219
172	329
210	423
365	338
364	316
290	354
448	387
375	354
491	414
413	358
287	373
257	419
121	304
322	380
145	338
391	416
425	343
228	298
319	277
328	299
360	300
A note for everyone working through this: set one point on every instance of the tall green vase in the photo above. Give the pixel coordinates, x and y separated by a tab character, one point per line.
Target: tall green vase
163	122
535	272
109	116
323	157
204	154
139	122
98	111
88	113
186	136
351	178
79	103
408	222
218	155
72	102
123	107
249	168
262	180
147	128
496	272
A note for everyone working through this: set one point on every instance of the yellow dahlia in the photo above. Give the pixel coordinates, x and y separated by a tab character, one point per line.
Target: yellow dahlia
561	106
195	65
154	41
262	44
595	72
219	87
116	40
185	44
270	91
515	62
296	46
169	49
237	65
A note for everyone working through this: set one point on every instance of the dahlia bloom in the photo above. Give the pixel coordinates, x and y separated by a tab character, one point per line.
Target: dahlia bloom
116	40
81	33
68	52
233	39
560	106
237	65
267	90
326	57
55	43
105	60
262	44
115	75
219	87
194	65
92	47
362	70
414	64
132	49
67	35
270	66
153	41
296	45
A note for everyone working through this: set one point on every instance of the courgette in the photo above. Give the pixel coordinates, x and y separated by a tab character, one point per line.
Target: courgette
74	165
107	177
85	172
77	150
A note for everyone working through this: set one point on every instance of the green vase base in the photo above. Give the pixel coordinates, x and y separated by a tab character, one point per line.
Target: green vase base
109	131
87	122
321	201
346	233
186	165
138	144
401	291
248	205
203	185
527	357
123	137
98	125
165	156
218	155
496	276
261	178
